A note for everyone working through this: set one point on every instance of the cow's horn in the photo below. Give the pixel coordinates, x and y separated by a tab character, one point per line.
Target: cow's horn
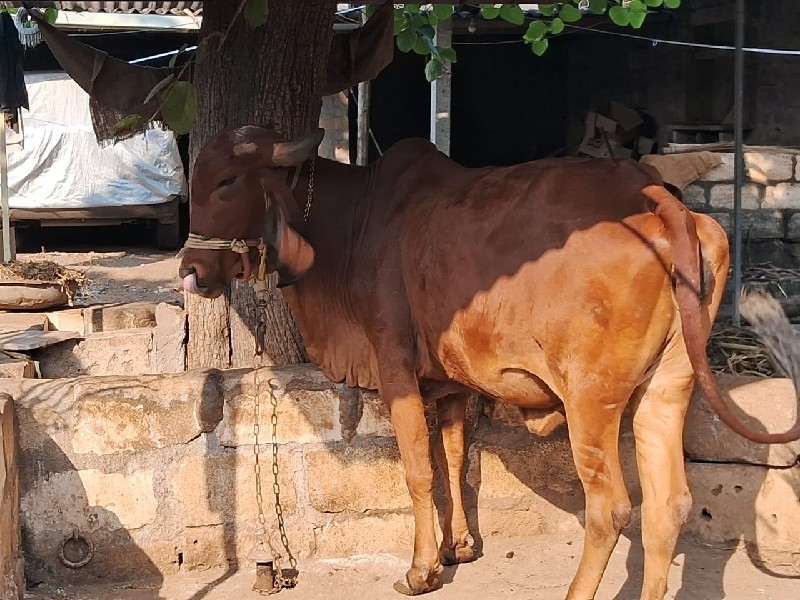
290	154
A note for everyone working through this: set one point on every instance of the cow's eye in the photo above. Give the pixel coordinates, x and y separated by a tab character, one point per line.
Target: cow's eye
226	182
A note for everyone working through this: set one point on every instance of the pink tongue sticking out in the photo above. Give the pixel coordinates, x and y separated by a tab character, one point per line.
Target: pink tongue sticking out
190	283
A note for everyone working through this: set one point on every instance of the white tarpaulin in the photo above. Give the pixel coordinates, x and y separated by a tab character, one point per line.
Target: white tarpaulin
63	166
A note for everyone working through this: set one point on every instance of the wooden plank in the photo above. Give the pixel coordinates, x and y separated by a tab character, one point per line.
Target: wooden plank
12	583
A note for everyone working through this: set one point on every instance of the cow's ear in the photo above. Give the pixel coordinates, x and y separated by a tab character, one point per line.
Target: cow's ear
290	154
295	256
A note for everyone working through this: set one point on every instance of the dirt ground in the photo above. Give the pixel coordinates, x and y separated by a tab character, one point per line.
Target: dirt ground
115	276
533	568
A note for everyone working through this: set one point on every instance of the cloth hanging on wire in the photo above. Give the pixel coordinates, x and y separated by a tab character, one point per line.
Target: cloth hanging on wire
13	93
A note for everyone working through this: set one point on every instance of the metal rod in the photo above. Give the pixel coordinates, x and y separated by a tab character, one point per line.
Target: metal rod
4	191
362	137
738	158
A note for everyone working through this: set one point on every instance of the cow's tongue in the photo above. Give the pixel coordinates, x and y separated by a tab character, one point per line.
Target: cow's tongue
190	283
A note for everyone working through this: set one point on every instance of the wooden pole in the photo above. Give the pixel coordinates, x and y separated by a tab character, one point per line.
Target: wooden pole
440	94
4	192
362	136
12	583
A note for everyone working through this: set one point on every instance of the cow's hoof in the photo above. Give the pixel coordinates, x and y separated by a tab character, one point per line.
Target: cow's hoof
419	580
460	552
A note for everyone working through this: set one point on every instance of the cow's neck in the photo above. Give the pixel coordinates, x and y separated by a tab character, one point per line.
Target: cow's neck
321	302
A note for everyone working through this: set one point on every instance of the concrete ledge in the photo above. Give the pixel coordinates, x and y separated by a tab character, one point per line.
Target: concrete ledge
158	471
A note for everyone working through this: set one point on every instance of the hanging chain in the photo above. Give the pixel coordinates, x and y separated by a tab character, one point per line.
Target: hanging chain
310	197
290	579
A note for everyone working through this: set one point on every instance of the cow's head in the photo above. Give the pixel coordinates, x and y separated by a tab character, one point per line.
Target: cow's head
241	190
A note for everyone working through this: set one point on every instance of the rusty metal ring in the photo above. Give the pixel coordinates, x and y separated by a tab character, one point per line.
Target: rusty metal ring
85	560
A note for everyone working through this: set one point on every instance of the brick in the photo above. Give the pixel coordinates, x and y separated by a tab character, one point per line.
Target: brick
12	583
721	196
782	195
768	167
220	489
793	227
722	172
724	219
763	404
757	506
169	339
695	196
357	479
755	224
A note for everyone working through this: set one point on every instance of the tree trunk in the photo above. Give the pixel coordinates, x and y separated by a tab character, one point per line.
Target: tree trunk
269	74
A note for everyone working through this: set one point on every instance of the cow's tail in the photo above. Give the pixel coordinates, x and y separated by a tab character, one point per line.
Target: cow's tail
687	269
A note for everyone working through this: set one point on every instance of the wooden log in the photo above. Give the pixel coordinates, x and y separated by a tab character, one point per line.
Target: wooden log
12	584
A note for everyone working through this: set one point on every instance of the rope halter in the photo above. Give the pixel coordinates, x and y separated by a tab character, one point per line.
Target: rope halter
241	247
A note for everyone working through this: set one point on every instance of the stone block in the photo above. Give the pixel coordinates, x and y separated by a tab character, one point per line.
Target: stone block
793	227
375	418
721	196
109	415
133	315
106	353
12	582
768	167
71	319
695	196
15	365
762	224
747	505
723	171
367	534
763	404
724	219
308	407
356	479
22	321
213	490
782	195
169	339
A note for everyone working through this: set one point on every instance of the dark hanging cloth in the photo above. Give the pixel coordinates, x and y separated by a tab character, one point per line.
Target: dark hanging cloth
13	93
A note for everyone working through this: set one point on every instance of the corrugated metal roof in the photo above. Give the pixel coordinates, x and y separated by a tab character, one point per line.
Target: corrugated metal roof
145	8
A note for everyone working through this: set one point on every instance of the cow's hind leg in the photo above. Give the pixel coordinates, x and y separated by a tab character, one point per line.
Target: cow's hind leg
457	542
594	437
659	407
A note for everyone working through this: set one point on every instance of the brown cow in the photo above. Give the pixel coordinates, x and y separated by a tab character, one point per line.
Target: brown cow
568	286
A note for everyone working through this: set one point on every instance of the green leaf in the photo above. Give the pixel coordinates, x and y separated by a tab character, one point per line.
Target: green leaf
637	18
175	56
536	31
512	13
547	9
556	26
77	9
372	9
428	31
406	40
158	87
672	3
442	11
448	54
569	13
654	3
422	46
598	7
412	8
255	12
637	6
489	11
399	22
539	47
433	69
179	110
50	15
129	124
620	16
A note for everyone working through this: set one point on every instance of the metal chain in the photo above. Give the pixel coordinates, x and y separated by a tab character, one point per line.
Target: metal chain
279	580
310	197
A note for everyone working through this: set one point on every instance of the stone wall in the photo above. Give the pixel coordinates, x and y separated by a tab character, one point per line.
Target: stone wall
158	473
770	196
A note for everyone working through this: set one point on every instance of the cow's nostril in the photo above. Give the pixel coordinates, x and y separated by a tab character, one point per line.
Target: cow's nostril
184	271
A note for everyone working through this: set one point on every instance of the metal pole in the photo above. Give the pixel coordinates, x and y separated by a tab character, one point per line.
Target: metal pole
738	158
362	137
441	94
4	191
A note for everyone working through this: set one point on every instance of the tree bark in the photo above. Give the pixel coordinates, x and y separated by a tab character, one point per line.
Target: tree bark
268	74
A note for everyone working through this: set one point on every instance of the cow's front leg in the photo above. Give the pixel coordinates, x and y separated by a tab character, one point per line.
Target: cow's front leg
449	452
401	393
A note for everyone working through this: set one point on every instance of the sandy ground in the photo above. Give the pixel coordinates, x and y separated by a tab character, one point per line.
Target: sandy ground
130	275
533	568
